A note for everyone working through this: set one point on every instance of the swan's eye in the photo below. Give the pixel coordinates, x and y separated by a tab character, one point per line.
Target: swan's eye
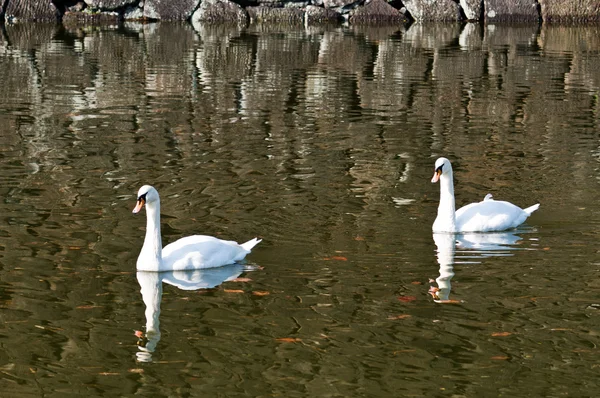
439	169
142	197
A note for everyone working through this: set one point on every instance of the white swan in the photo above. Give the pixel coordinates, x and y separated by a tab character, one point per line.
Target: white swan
191	252
486	216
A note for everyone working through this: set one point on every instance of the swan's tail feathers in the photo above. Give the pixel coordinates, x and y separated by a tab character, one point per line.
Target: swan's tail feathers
531	209
251	243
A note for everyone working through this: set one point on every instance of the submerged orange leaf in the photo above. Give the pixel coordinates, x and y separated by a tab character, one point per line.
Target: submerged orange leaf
260	293
139	371
336	258
500	358
407	299
233	291
403	316
288	339
241	280
501	334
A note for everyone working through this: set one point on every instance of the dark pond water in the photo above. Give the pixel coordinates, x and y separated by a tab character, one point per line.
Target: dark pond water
322	142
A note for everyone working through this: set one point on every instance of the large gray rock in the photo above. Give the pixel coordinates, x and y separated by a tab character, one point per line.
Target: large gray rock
472	9
134	13
78	18
29	10
170	10
433	10
292	16
265	3
376	11
315	15
166	10
570	11
337	3
511	11
109	5
219	11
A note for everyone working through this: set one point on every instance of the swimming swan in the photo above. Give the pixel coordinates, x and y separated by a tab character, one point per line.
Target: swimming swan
191	252
486	216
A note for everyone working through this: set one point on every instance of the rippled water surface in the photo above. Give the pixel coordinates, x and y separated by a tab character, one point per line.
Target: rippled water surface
320	141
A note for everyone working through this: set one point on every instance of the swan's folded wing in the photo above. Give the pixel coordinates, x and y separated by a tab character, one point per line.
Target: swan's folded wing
201	251
489	215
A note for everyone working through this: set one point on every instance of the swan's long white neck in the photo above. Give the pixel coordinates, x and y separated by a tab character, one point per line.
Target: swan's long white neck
446	210
151	254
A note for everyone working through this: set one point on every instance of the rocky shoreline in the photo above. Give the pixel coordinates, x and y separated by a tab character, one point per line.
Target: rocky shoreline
300	11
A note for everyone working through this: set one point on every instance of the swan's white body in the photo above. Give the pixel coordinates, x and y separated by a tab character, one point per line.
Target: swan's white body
486	216
191	252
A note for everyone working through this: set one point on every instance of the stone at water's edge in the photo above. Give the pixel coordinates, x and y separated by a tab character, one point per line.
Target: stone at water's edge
511	11
109	5
134	13
376	11
169	10
337	3
84	18
220	11
298	11
316	14
293	16
30	10
472	9
433	10
567	11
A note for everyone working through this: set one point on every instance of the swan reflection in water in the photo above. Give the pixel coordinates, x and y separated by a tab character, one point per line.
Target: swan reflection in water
467	248
151	284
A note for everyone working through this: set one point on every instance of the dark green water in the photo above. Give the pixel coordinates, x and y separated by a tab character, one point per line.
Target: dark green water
321	142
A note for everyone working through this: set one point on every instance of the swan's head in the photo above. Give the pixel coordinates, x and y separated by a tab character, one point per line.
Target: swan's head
146	194
442	166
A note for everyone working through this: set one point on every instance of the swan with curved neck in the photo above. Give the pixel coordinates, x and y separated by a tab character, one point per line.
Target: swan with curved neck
486	216
190	252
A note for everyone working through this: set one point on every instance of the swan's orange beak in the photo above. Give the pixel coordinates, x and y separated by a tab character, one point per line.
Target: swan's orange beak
140	203
436	175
